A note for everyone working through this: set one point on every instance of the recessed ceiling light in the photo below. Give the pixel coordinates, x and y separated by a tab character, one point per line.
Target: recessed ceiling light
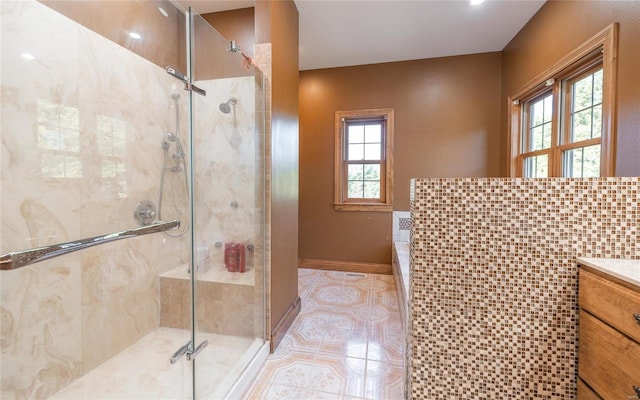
135	35
27	56
476	2
163	12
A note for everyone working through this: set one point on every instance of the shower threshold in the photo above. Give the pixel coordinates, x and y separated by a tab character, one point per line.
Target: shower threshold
143	370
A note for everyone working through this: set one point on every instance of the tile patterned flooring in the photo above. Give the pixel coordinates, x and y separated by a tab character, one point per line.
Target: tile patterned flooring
347	342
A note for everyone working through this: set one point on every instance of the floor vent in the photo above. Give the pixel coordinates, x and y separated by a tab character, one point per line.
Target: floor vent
355	274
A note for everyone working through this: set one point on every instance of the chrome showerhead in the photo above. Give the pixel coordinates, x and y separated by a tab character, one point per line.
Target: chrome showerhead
226	107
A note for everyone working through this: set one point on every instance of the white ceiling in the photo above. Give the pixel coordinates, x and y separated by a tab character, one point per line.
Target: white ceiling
340	33
337	33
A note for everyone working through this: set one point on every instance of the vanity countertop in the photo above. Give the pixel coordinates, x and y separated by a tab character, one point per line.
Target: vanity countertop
624	269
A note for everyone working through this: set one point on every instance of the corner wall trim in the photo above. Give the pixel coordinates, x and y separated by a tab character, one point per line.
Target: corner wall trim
346	266
285	322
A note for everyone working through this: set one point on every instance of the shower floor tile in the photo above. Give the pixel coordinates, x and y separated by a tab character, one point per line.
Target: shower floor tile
347	342
143	371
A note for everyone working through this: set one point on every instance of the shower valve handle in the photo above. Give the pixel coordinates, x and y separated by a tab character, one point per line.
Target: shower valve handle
144	212
147	213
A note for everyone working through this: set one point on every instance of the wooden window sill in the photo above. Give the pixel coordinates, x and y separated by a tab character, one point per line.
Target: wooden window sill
370	207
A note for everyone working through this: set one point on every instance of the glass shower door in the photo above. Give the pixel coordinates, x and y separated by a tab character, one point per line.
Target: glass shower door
228	210
92	126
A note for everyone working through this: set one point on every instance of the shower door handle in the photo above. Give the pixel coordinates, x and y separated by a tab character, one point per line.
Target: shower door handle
189	351
19	259
194	353
186	349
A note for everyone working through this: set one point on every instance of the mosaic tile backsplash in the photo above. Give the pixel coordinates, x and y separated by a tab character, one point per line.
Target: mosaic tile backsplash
401	226
493	286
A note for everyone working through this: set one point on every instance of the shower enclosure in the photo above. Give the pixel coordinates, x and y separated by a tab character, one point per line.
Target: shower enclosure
132	205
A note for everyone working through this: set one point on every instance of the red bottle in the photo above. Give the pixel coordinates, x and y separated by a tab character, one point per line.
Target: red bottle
239	248
230	257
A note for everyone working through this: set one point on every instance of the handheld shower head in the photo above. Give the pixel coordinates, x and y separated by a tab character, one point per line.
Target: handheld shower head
226	107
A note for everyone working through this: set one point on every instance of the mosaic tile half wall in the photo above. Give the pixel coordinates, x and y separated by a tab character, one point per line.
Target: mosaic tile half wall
493	288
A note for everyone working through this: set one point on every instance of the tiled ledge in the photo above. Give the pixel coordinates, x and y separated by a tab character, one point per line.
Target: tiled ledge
401	266
215	274
225	308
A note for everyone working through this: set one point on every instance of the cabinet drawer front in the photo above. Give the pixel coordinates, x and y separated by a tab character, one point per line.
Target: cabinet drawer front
585	393
611	302
608	360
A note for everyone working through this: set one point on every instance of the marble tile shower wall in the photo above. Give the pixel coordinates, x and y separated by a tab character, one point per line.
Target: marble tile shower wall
228	207
493	287
80	147
81	127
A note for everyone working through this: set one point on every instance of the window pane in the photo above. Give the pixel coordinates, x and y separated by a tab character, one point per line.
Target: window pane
581	126
546	136
372	190
548	108
372	172
536	139
372	151
597	121
355	172
583	162
586	112
582	93
597	87
356	133
540	116
537	113
355	190
373	133
536	166
356	152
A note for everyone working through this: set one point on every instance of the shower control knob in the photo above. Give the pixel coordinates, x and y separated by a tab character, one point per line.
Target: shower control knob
234	204
147	213
144	213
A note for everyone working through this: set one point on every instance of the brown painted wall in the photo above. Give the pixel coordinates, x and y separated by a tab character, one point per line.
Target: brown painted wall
447	124
238	25
162	37
277	23
212	60
548	36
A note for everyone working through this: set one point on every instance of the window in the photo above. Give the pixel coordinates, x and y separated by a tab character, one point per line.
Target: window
563	123
363	160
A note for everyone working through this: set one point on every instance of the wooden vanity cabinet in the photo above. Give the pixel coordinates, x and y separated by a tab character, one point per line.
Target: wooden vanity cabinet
609	337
